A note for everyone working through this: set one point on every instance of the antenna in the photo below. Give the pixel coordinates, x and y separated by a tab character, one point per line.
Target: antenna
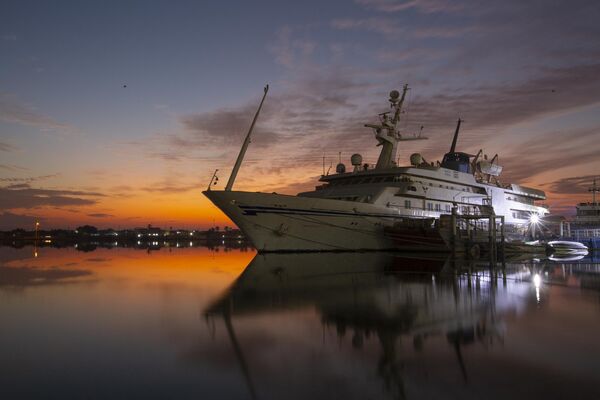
594	189
240	157
453	147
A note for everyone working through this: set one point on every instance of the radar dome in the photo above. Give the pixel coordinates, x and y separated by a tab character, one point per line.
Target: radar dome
356	159
416	159
340	168
394	94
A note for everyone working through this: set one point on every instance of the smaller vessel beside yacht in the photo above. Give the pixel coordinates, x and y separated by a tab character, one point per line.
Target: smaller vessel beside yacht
585	227
588	213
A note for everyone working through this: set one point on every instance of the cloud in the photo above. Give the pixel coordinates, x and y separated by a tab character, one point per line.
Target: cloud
10	167
540	154
288	121
552	90
13	112
9	220
444	31
573	185
7	147
291	51
171	187
28	179
378	25
424	6
26	197
100	215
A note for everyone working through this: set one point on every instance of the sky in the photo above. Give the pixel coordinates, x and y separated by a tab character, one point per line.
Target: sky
117	113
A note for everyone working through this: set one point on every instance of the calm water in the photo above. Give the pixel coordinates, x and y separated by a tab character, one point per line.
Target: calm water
196	323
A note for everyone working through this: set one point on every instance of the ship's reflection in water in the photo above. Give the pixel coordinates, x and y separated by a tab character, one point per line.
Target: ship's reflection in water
195	323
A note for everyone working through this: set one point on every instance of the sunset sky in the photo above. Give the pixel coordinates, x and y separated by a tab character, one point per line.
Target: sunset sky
117	113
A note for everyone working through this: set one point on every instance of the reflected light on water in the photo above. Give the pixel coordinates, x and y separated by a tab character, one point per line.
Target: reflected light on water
537	282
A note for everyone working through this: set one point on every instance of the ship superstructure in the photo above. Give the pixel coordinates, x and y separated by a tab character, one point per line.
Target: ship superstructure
350	210
588	213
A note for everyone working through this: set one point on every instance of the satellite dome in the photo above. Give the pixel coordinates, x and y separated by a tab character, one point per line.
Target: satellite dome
394	94
416	159
356	159
340	168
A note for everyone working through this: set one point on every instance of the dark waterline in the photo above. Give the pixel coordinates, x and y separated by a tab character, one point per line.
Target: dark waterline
196	323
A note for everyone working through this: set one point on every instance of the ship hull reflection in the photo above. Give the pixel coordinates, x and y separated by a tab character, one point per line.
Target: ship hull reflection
380	295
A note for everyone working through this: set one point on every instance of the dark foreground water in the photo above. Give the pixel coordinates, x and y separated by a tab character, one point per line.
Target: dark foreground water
196	323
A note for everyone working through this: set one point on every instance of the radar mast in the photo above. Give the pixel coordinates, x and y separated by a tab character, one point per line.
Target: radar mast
386	132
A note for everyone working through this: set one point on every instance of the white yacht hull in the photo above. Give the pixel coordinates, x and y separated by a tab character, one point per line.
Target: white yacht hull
278	223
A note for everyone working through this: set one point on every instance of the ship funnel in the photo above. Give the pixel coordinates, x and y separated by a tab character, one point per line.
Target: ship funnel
453	147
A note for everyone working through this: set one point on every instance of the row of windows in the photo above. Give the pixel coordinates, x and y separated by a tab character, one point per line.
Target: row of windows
379	179
520	199
362	181
588	212
431	206
414	189
520	214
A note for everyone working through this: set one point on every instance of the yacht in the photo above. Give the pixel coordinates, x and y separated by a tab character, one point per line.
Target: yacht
354	208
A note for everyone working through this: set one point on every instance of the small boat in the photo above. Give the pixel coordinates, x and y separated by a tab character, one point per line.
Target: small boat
565	247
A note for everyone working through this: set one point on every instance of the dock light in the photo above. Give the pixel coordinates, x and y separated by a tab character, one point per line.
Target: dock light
534	218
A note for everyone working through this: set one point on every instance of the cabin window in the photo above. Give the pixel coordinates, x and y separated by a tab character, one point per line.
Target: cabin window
429	206
447	207
406	203
412	188
438	207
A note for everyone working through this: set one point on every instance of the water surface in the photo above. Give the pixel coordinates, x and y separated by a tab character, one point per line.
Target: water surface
199	323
